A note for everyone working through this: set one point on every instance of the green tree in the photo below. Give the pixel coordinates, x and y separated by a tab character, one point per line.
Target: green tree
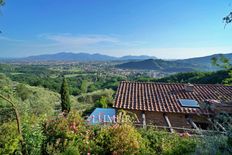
221	62
22	91
224	63
228	19
84	86
65	98
102	103
119	139
2	2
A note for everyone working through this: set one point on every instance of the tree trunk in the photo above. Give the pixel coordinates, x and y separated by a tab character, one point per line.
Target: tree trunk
24	150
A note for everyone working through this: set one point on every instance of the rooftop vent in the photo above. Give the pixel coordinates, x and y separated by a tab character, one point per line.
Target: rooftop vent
189	87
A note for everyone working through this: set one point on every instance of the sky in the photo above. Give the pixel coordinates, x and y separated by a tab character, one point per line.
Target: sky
169	29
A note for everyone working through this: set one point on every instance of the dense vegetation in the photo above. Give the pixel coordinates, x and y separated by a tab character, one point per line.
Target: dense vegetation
45	130
218	77
47	77
198	77
31	121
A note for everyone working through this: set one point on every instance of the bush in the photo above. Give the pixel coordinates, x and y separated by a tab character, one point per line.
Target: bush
119	139
9	138
213	145
23	92
65	132
33	134
161	142
71	151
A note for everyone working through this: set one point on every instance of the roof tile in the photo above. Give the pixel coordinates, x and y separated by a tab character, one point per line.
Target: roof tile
163	97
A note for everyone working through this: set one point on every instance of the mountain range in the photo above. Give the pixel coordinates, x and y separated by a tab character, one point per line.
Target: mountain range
133	62
83	57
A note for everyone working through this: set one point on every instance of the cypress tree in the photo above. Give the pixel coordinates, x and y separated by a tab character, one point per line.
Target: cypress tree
64	93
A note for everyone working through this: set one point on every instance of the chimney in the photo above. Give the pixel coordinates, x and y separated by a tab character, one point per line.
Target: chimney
189	87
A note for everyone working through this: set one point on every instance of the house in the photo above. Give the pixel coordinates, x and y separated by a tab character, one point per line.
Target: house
174	105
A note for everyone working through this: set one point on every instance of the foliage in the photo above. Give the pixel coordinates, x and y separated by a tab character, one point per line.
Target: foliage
161	142
9	138
5	85
65	98
224	63
92	100
61	132
6	112
2	2
214	145
102	103
23	92
48	77
33	134
119	139
217	143
71	151
197	77
84	86
71	135
228	18
221	62
40	102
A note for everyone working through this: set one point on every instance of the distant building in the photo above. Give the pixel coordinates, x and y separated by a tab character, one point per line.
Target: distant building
173	105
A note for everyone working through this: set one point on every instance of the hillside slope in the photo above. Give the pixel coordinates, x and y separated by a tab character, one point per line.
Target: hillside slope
157	64
204	62
36	100
185	65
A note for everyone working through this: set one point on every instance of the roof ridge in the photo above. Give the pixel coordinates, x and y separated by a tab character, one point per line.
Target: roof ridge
175	83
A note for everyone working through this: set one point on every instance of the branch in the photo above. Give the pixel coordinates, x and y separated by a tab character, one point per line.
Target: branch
228	19
18	122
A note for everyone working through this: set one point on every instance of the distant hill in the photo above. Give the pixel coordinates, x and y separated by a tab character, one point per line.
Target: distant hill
204	62
141	57
132	62
200	64
157	64
82	57
70	57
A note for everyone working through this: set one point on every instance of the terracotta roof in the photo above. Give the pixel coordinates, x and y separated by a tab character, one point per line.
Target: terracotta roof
164	97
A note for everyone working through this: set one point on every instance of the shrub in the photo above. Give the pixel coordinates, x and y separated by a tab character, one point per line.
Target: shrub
9	138
23	92
214	145
102	102
71	151
63	132
119	139
33	134
161	142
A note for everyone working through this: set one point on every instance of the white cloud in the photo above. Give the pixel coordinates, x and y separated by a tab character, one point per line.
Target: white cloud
71	40
3	38
104	44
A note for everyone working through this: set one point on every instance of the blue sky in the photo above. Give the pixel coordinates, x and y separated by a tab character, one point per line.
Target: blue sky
167	29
